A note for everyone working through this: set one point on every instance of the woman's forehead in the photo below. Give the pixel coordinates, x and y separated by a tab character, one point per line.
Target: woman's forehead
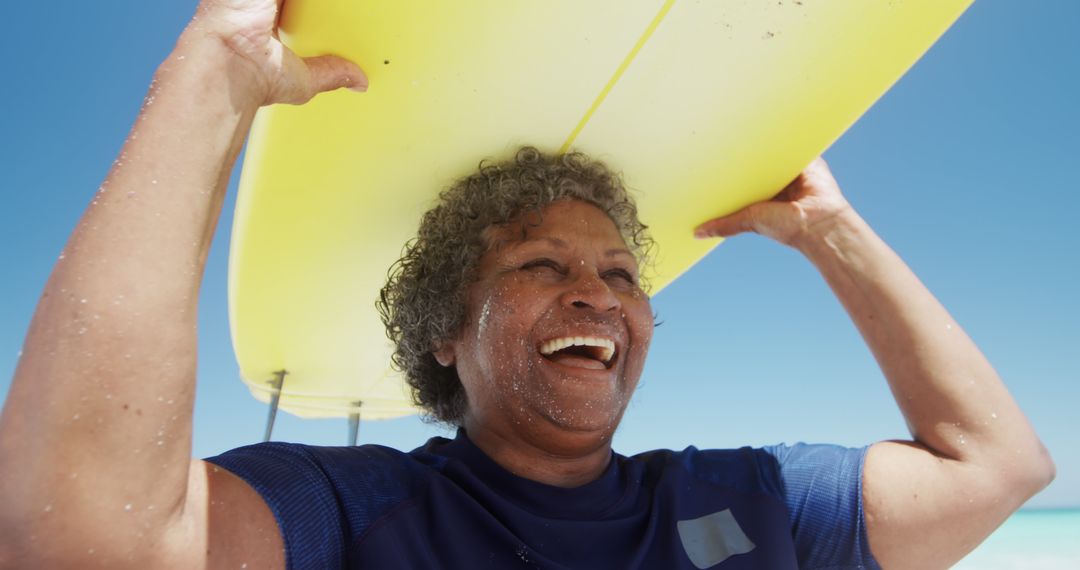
563	225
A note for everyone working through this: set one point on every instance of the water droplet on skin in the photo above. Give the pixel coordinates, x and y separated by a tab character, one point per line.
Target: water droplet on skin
160	442
75	417
90	551
127	507
153	182
48	508
993	415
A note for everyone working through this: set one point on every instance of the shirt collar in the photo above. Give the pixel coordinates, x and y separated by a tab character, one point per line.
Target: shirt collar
590	500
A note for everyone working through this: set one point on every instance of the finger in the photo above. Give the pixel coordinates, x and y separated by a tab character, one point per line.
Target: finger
791	192
278	15
329	72
727	226
819	171
819	164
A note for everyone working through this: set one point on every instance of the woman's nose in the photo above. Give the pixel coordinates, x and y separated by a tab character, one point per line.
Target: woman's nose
589	290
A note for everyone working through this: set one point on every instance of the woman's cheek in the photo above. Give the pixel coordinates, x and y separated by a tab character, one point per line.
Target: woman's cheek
642	322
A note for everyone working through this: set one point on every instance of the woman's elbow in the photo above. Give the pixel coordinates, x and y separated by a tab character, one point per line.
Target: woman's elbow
1045	471
1034	473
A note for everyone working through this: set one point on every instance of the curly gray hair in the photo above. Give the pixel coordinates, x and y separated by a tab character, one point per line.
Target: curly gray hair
423	302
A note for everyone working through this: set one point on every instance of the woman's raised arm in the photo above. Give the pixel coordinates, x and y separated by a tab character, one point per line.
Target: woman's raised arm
974	458
95	436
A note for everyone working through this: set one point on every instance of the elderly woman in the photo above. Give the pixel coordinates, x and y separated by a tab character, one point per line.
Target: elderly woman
519	316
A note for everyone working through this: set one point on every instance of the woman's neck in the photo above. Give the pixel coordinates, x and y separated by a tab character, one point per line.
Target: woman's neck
552	456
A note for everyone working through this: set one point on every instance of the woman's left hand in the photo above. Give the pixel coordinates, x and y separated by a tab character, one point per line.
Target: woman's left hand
796	213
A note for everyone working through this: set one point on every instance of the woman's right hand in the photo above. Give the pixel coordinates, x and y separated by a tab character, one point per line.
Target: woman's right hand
272	73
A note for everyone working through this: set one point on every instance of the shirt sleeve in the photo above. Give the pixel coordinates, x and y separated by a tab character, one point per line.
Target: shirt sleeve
301	496
823	493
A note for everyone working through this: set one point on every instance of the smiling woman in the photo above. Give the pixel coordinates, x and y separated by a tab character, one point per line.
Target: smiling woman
551	284
424	302
520	316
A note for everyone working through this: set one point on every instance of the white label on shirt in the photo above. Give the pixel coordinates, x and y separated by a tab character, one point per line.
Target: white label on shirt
712	539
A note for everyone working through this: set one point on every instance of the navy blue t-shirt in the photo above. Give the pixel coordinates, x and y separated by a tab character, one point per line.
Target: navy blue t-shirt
447	505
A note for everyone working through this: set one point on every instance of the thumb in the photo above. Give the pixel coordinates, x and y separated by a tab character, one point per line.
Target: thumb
329	72
732	224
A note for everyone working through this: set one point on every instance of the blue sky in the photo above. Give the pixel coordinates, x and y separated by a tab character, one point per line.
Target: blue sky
965	168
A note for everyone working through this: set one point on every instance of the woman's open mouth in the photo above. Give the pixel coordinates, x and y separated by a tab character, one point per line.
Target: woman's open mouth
597	353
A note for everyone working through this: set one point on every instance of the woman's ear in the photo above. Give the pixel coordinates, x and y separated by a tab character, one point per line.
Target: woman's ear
444	353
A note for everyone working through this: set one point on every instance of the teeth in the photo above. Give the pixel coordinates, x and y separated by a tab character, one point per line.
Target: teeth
606	346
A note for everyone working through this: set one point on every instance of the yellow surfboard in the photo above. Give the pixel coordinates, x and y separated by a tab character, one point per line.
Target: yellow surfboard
705	106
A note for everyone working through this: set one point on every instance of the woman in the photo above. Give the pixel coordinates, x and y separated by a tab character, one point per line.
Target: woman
108	480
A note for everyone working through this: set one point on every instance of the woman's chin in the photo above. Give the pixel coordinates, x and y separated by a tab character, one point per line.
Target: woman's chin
596	416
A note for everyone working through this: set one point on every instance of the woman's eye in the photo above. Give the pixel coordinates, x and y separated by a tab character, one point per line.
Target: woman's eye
620	274
543	264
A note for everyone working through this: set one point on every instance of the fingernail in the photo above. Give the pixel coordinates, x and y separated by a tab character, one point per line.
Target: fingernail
357	86
701	234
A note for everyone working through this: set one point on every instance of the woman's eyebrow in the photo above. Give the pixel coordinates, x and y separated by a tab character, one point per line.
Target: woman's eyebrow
561	244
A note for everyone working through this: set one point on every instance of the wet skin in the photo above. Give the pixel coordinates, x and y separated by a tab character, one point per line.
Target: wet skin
567	273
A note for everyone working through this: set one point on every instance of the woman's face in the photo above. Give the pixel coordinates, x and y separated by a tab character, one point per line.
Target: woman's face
557	326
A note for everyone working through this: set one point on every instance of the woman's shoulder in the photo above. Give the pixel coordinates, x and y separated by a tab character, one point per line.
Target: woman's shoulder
746	469
363	468
750	469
